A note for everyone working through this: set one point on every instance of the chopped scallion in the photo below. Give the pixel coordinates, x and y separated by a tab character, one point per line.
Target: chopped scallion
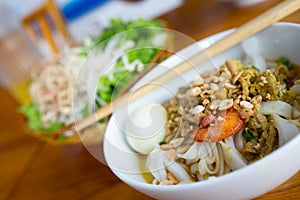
289	66
255	67
283	60
248	136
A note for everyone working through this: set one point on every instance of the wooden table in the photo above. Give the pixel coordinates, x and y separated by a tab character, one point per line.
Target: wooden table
31	169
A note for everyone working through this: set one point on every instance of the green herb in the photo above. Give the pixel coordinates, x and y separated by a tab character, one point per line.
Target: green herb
247	135
162	142
117	26
33	117
109	85
85	111
54	126
102	121
61	138
83	53
289	66
138	31
283	60
255	67
34	120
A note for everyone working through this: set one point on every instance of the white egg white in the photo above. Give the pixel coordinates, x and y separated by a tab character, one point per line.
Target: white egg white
146	127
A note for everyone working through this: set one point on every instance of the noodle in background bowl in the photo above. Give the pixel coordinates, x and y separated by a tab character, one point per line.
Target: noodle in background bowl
281	39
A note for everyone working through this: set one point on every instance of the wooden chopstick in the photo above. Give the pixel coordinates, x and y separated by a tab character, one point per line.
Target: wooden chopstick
250	28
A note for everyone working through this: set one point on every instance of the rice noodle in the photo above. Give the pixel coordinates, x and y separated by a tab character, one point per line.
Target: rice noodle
221	159
251	48
157	162
278	107
178	171
238	140
232	157
287	129
208	159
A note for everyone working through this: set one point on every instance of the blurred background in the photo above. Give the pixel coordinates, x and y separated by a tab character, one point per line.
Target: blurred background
90	16
78	19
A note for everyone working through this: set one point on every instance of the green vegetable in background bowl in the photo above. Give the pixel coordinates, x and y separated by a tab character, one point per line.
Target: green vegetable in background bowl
54	85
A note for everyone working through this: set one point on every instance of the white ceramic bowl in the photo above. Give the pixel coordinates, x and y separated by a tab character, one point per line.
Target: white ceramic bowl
243	3
281	39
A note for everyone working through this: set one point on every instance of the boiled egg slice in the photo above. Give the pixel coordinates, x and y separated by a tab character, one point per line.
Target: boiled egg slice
146	127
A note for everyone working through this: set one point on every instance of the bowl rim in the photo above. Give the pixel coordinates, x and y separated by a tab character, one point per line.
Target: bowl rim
146	186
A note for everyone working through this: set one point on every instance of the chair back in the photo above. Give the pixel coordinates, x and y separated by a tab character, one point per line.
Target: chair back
48	18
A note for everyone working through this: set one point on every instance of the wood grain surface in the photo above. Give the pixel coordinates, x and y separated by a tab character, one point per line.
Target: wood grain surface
31	169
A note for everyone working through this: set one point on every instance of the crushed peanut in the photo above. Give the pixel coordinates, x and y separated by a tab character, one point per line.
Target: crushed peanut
166	182
197	109
210	92
246	113
177	142
230	86
172	178
171	155
246	104
236	104
166	146
256	100
194	91
183	149
214	104
257	146
231	66
236	77
214	87
169	137
205	102
219	118
215	79
225	104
